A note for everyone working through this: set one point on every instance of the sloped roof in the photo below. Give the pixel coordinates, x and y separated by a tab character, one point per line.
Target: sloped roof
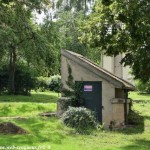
99	71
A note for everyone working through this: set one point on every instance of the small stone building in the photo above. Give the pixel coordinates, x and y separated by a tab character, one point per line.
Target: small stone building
104	93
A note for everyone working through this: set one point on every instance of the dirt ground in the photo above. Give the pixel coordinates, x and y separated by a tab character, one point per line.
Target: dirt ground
11	128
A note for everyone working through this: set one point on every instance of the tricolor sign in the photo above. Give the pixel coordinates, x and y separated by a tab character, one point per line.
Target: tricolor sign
88	88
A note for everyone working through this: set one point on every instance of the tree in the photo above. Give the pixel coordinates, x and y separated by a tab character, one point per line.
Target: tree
77	5
21	39
121	26
68	26
49	29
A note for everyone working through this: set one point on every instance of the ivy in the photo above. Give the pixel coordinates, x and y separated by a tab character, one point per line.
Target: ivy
75	90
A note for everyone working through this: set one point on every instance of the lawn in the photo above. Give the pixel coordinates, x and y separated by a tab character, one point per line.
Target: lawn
28	105
50	133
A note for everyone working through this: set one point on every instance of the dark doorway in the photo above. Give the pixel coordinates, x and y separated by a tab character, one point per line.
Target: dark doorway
92	95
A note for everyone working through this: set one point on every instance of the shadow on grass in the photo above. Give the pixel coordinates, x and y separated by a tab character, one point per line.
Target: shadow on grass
129	130
142	144
144	94
135	123
34	98
40	131
141	101
147	117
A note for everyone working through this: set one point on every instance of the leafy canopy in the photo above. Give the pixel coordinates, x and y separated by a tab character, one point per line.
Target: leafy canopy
23	41
19	31
121	26
76	5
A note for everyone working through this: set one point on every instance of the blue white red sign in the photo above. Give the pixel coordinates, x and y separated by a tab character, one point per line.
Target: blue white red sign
88	88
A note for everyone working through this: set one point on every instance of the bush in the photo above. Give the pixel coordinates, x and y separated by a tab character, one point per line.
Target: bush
4	76
24	82
81	119
42	84
52	83
143	87
76	94
55	83
135	118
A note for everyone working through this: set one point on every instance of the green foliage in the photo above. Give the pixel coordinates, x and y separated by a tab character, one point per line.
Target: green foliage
106	2
23	41
143	87
135	118
79	118
42	84
75	5
50	29
74	91
70	81
52	83
68	27
24	82
121	27
76	97
4	75
55	83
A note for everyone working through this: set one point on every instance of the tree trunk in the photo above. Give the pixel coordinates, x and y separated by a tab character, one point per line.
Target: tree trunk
12	68
85	6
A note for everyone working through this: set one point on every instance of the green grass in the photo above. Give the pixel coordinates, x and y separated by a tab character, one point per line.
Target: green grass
36	97
141	103
51	132
28	105
138	96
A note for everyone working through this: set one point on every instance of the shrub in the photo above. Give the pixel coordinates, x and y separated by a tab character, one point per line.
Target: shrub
42	84
24	81
4	75
143	87
54	83
76	94
135	118
81	119
74	91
